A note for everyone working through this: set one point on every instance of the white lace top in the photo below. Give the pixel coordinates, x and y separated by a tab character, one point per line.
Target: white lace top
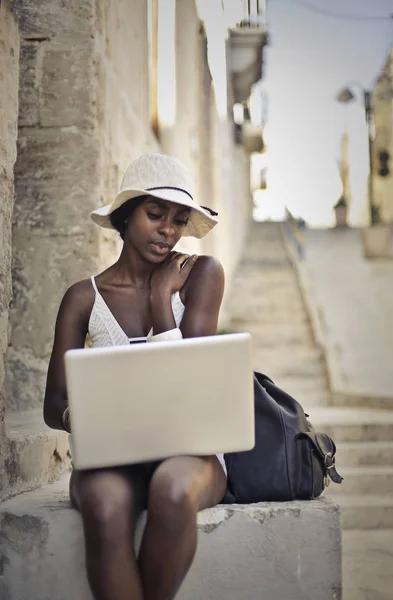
104	330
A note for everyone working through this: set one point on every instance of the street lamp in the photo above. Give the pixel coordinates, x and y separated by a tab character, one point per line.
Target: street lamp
345	96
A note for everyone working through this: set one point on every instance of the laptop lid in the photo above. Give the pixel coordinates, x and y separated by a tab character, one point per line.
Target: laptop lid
149	401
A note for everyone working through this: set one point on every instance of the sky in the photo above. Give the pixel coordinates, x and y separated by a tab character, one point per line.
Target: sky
309	59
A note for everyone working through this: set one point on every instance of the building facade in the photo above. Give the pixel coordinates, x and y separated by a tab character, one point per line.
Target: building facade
383	143
88	86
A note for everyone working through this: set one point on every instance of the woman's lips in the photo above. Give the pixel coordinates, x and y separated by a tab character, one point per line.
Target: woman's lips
160	247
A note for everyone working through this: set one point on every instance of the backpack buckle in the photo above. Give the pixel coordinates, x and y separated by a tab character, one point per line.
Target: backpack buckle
330	466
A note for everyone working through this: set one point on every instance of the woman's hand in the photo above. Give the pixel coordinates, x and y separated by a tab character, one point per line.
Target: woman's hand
171	275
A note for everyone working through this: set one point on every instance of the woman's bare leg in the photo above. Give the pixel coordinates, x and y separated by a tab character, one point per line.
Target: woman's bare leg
179	488
109	505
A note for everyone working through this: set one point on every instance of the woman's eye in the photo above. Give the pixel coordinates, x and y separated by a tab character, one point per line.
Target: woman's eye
153	216
181	223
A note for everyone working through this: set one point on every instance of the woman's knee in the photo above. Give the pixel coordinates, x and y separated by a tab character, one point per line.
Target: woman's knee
104	499
171	499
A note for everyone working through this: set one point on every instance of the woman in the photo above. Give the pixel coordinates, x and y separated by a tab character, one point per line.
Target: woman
151	293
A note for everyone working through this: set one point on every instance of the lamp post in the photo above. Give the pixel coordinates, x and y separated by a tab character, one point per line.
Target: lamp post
345	96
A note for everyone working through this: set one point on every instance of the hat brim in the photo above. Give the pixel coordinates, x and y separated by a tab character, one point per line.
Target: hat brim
200	222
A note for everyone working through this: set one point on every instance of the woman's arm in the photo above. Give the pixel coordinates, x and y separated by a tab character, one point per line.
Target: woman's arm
168	278
203	293
70	332
201	285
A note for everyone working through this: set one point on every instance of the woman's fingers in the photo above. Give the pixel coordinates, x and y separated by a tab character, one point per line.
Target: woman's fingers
174	271
188	264
176	256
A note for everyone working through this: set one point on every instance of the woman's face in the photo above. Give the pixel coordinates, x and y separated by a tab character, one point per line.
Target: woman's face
155	227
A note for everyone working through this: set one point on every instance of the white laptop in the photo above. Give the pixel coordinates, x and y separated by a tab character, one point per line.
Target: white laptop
149	401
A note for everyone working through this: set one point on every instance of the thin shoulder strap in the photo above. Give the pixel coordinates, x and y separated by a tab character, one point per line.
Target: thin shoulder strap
93	282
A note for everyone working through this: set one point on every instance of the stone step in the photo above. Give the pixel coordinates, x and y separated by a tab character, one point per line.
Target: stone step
265	278
291	340
311	402
370	402
268	310
356	454
280	368
252	323
364	511
240	550
302	372
39	454
266	306
273	291
302	386
271	266
272	256
267	315
365	480
280	330
309	355
354	425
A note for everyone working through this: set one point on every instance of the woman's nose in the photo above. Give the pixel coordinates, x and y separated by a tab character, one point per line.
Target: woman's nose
167	227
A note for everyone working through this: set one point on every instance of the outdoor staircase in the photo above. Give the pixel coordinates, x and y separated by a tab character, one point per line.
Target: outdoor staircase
266	300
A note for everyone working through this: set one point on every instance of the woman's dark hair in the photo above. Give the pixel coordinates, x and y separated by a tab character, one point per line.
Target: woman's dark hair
119	216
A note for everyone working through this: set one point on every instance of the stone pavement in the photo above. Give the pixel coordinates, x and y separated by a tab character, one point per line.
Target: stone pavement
354	307
267	301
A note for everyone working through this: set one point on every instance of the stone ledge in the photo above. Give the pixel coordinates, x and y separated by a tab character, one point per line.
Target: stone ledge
285	551
36	455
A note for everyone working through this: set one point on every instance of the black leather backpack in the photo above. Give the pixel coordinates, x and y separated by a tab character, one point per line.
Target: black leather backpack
289	461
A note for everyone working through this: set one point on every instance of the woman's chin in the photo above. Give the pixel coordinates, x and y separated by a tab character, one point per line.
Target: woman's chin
154	259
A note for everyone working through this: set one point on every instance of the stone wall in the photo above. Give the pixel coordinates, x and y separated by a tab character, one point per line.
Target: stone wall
56	181
83	117
203	147
234	201
9	72
123	116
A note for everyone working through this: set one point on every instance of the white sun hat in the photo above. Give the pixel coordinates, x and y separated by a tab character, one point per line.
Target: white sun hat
163	177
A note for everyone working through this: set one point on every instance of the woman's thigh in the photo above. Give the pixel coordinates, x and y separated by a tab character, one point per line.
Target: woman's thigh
199	481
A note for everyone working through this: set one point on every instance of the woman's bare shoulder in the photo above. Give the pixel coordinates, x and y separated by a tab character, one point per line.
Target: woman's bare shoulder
73	317
79	297
207	265
207	272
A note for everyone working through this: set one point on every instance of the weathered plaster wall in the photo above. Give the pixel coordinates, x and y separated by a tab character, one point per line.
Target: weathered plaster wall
124	130
205	120
56	181
83	117
9	73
